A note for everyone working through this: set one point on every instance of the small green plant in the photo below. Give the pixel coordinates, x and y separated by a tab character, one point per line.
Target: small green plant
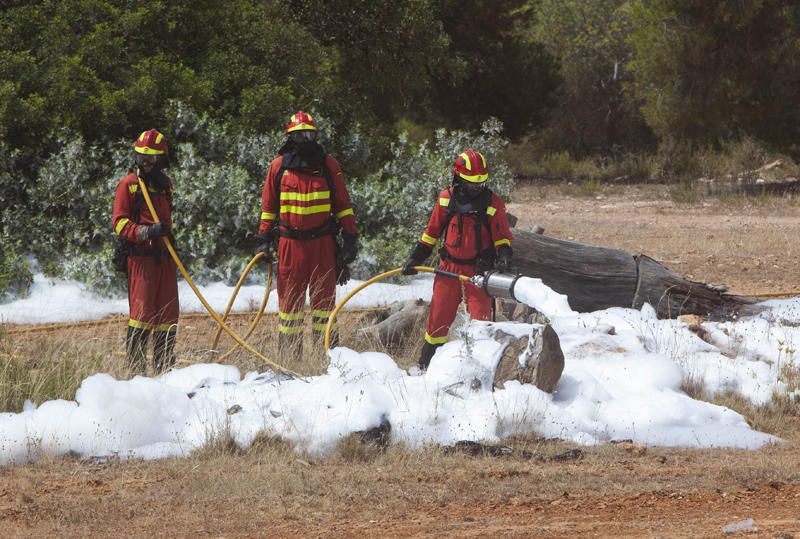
557	165
590	170
684	192
590	187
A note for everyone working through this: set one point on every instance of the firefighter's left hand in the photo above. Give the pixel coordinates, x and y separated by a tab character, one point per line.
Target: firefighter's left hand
503	262
349	249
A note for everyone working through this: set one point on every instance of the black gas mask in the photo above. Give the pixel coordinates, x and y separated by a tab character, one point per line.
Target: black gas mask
466	190
151	168
305	149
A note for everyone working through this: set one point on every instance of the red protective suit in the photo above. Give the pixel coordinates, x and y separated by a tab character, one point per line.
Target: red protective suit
460	255
304	213
152	276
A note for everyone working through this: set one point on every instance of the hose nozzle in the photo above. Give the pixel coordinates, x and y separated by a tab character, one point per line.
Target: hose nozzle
496	284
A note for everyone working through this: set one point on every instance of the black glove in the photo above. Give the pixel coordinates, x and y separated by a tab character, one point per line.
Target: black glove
264	246
148	232
420	253
349	250
342	275
503	261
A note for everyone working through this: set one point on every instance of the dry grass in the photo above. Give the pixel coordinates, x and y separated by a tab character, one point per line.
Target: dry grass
46	366
268	488
40	365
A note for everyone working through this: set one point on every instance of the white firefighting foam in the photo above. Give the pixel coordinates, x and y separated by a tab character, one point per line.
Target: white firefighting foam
620	384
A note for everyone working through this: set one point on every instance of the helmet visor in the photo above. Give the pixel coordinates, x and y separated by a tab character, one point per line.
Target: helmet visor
303	136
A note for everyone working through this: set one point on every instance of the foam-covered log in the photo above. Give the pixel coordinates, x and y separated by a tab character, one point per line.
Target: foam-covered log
595	277
592	277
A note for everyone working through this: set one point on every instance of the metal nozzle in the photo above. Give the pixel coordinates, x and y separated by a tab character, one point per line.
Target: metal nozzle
496	284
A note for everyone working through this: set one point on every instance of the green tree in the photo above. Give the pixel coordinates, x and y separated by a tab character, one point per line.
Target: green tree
387	52
499	72
709	71
595	112
107	69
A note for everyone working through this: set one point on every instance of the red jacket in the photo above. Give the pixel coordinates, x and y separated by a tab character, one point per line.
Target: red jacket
461	239
127	200
305	198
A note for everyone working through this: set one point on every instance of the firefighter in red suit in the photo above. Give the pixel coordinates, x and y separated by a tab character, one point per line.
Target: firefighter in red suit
152	278
304	205
471	222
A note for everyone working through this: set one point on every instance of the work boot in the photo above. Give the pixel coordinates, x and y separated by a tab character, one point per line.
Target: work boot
163	350
290	347
425	356
136	349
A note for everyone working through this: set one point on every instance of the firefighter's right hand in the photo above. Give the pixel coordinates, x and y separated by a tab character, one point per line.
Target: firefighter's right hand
265	248
264	242
148	232
420	253
408	267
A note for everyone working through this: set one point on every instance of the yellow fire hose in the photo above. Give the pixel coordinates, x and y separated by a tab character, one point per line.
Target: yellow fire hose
375	279
259	313
211	311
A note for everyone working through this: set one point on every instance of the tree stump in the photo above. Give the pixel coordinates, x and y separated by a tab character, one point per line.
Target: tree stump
536	359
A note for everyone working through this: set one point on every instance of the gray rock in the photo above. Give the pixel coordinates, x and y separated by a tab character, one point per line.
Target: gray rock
536	360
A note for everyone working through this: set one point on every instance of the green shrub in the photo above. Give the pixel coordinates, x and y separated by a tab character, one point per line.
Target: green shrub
15	272
218	173
557	165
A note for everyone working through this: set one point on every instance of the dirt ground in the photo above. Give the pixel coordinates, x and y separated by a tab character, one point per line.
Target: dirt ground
536	488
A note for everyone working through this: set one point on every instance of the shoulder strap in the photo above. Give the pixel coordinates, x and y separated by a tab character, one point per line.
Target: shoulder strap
480	208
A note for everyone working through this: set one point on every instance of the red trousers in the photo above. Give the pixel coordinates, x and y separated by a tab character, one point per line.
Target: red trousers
153	292
447	295
306	265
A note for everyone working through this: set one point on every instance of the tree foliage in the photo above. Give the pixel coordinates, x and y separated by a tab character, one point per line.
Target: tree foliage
105	69
707	71
498	71
594	111
79	79
388	52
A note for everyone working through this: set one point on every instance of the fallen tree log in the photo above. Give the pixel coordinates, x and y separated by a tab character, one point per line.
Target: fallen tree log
595	277
403	319
592	277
